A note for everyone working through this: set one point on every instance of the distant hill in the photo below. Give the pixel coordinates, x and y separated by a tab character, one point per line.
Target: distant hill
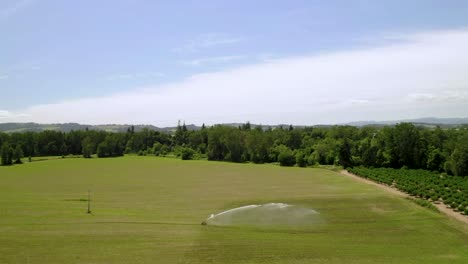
66	127
426	121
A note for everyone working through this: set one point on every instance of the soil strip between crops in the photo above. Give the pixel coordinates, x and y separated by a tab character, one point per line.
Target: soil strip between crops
441	207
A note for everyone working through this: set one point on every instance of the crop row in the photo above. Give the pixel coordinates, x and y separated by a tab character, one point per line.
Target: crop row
436	187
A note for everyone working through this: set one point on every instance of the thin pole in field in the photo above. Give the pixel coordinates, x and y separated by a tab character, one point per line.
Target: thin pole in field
89	201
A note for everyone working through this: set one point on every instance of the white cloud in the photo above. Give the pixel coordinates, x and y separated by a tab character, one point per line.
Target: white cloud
424	76
213	60
3	77
6	116
207	41
460	95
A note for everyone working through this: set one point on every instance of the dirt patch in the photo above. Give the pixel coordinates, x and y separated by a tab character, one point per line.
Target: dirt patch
441	207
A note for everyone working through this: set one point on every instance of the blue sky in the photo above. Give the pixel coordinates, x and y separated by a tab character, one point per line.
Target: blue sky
57	55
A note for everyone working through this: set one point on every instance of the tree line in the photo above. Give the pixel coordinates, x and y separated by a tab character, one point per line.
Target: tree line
402	145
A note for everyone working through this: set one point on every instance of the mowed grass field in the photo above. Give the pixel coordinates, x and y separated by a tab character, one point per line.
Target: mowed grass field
149	210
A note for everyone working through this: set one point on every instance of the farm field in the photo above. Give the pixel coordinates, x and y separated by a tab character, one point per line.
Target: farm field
149	210
451	190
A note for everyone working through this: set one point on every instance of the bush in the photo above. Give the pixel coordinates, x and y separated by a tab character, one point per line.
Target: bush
286	157
300	160
156	150
311	160
164	150
187	153
102	150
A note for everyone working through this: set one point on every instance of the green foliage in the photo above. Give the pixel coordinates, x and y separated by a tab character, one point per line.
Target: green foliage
17	155
112	146
286	156
257	145
458	161
424	203
311	160
156	150
216	149
187	154
452	190
344	154
88	147
300	159
435	159
7	154
435	149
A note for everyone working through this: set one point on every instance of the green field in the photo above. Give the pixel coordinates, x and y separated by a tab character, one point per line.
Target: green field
149	210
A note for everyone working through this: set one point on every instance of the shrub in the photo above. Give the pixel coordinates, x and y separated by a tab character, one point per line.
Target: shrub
286	158
300	160
156	149
311	160
187	153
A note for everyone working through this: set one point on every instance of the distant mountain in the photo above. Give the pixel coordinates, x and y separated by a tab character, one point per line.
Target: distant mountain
426	121
66	127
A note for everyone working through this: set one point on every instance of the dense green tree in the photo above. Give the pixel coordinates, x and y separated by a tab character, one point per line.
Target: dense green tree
112	146
294	140
7	154
344	154
233	140
435	159
325	151
458	161
257	144
156	150
286	156
88	147
403	145
17	154
300	159
216	149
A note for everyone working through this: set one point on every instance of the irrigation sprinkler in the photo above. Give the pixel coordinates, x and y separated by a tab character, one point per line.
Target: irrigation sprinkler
89	201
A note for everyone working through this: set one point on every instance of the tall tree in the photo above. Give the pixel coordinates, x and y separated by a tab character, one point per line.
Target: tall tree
17	154
344	154
88	147
7	154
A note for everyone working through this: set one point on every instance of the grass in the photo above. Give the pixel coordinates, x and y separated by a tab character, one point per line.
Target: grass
149	210
424	203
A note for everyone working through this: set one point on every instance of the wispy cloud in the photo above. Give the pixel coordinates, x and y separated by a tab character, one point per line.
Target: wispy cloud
3	77
7	116
213	60
460	95
142	75
424	76
207	41
13	9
